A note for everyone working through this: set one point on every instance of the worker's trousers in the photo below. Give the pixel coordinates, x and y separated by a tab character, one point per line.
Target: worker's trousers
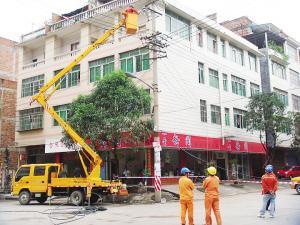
212	202
187	205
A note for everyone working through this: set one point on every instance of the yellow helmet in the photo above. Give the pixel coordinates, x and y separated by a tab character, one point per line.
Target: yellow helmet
212	170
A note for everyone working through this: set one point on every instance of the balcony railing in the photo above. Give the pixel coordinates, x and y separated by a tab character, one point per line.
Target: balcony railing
90	13
65	55
34	34
33	65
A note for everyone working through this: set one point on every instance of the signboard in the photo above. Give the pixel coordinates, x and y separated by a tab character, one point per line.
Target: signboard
54	145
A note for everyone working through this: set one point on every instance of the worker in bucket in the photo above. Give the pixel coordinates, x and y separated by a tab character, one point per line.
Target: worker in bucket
269	188
186	188
211	186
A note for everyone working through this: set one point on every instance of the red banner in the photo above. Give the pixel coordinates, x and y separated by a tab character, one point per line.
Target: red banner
174	140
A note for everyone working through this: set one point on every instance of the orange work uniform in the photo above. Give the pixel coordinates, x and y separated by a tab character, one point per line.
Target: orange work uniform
211	186
186	187
269	183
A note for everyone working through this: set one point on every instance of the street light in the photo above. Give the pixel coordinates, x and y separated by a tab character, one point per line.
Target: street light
156	143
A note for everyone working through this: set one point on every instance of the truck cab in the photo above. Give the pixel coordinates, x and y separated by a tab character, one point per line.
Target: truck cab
31	181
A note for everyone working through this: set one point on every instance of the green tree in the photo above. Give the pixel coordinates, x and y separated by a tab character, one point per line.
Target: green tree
268	115
114	107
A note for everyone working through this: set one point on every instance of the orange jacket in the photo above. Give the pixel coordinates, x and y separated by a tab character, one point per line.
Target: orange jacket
211	186
269	183
186	187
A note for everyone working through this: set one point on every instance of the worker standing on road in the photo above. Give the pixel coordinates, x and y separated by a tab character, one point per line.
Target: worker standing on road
269	188
211	186
186	188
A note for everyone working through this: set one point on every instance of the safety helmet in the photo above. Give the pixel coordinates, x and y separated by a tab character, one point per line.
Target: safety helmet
211	170
269	168
184	170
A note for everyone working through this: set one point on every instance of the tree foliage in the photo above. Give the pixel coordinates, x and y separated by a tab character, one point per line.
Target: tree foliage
268	115
114	107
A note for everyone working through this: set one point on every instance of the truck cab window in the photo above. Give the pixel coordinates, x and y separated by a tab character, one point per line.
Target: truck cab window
23	172
39	171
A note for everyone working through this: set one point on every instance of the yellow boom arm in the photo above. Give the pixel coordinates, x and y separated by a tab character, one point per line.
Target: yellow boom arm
130	22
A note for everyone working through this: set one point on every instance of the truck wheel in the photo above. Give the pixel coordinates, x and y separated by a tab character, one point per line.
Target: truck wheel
298	189
42	199
24	197
76	197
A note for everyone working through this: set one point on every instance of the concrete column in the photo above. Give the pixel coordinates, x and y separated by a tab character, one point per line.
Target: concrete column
117	62
85	36
50	49
117	17
227	49
219	51
21	58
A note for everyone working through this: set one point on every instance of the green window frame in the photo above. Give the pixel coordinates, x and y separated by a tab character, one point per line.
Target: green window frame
201	72
227	116
282	96
135	61
239	118
70	79
215	114
213	78
32	85
203	111
254	89
31	119
177	25
238	86
225	82
278	70
237	54
223	47
100	67
63	111
212	43
252	62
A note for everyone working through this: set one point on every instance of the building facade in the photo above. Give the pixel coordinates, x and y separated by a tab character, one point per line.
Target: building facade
9	156
280	72
204	86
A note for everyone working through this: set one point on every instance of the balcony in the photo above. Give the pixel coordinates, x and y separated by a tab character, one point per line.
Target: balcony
89	14
33	65
65	55
275	56
34	34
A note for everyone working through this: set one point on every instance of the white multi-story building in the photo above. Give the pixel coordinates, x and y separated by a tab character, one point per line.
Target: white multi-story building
280	72
204	85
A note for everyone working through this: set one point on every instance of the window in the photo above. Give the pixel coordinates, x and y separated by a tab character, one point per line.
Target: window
31	119
201	72
278	70
101	67
223	47
212	43
252	62
74	46
203	111
177	25
135	61
254	89
39	171
238	85
227	117
239	118
282	96
294	78
215	114
236	55
296	102
63	111
292	53
213	78
22	172
70	79
199	37
225	82
32	85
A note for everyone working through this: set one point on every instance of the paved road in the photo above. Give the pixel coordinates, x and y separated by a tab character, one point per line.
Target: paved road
236	210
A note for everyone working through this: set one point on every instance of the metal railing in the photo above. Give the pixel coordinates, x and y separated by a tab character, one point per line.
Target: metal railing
33	65
34	34
68	54
89	14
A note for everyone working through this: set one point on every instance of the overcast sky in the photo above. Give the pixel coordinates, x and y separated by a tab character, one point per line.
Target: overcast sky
23	16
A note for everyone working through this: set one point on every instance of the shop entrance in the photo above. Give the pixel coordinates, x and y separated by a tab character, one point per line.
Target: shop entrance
221	164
